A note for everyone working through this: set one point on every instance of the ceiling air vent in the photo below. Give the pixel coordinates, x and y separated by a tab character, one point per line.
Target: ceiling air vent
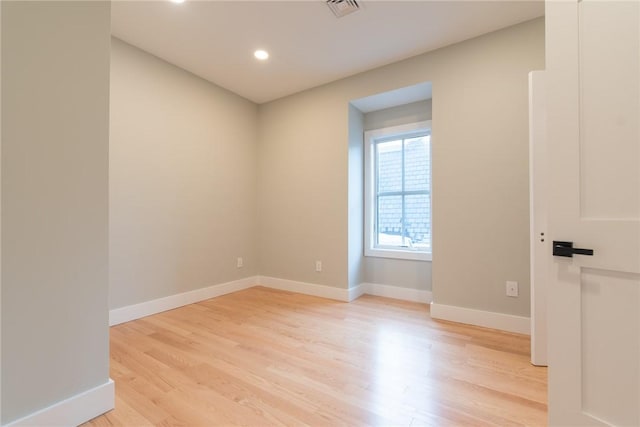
341	8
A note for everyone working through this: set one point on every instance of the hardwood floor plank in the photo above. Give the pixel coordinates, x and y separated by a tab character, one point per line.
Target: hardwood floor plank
263	357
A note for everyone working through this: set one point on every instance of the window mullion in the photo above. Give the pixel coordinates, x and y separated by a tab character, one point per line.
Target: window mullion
377	196
400	193
403	195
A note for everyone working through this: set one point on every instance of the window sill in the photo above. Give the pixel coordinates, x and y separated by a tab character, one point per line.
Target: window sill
398	254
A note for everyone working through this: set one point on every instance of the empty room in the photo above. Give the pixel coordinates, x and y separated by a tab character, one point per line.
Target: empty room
320	213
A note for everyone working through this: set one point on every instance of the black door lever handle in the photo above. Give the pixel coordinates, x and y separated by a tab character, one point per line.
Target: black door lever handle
566	249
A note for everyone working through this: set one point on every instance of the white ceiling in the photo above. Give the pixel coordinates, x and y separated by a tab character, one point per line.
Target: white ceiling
308	45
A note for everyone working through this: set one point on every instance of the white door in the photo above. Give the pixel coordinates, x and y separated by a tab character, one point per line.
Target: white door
593	73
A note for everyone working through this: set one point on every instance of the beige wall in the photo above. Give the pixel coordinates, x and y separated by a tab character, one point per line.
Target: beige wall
55	112
303	186
398	272
356	201
480	172
182	180
400	115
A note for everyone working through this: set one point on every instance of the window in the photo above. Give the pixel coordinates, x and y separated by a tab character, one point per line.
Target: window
398	192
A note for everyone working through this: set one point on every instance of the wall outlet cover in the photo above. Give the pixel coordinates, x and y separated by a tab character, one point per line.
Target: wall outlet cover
512	289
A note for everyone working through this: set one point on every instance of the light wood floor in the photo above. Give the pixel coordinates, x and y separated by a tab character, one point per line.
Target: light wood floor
263	357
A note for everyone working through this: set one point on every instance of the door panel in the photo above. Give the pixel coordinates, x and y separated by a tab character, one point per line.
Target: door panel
593	81
609	93
610	352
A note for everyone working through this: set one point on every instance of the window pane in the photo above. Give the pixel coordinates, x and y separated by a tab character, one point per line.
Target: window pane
417	163
389	216
389	166
417	223
398	184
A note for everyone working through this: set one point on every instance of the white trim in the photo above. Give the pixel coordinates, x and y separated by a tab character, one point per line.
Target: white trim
397	292
347	295
73	411
487	319
538	209
0	224
147	308
357	291
340	294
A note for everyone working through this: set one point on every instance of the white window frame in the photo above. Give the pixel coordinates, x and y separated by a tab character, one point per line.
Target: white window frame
370	137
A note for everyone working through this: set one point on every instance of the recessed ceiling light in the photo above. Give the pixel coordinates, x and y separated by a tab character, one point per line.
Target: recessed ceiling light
261	54
177	1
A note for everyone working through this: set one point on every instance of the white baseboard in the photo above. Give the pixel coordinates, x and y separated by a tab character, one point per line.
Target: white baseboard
323	291
74	410
147	308
143	309
346	295
396	292
487	319
356	292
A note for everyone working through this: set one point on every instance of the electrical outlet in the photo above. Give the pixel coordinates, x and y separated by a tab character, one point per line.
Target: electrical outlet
512	289
318	266
240	262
